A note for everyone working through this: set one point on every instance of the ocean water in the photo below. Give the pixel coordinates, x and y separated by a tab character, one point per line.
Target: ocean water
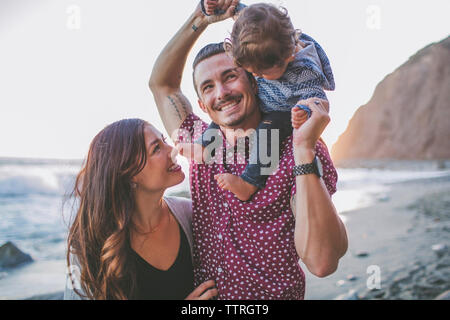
32	216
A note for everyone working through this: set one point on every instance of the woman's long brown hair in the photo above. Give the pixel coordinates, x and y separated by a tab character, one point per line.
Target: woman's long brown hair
99	236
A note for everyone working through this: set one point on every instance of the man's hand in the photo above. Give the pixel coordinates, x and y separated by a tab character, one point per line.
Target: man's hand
305	136
210	6
229	6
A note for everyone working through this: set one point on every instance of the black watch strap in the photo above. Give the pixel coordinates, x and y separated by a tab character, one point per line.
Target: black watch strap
308	168
304	169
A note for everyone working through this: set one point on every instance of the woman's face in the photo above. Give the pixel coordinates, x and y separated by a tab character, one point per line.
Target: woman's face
160	171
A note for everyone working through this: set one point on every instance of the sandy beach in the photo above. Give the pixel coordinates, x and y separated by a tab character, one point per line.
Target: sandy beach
399	248
402	241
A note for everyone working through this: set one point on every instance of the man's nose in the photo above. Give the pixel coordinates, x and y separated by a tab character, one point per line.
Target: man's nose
223	92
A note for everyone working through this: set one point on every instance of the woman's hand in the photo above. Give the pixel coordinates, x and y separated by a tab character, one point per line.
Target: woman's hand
205	291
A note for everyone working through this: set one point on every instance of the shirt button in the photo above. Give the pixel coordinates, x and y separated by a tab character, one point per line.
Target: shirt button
219	270
225	205
220	236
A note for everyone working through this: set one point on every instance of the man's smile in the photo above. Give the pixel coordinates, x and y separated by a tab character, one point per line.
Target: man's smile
229	104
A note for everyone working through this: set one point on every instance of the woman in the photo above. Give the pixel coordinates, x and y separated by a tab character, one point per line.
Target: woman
129	241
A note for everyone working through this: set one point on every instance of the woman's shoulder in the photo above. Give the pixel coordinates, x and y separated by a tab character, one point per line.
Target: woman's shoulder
182	210
181	207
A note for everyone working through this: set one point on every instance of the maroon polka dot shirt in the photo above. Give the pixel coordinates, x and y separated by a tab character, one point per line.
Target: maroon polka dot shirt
247	247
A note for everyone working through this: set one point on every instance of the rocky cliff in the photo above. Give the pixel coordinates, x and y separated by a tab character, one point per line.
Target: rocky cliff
408	116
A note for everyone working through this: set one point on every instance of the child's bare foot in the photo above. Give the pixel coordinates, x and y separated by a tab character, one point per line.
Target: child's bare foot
241	189
299	117
210	6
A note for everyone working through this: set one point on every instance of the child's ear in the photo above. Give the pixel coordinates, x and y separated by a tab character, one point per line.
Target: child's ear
290	59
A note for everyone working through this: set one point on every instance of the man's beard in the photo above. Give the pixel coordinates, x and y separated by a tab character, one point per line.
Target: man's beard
235	122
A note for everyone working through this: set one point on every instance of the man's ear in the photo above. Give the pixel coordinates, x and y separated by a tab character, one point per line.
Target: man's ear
202	106
254	84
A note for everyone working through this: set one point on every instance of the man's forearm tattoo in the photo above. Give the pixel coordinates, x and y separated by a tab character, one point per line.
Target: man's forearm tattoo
175	106
179	104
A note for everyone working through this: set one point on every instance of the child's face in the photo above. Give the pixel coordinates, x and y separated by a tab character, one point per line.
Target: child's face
272	73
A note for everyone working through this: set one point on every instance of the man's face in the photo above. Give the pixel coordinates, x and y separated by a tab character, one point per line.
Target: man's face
225	92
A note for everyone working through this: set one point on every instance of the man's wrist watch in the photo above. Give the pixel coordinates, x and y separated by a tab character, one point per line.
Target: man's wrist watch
314	167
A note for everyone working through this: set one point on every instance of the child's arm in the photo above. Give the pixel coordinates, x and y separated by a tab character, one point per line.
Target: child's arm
191	151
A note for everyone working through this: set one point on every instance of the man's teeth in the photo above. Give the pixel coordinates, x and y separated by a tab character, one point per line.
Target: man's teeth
232	104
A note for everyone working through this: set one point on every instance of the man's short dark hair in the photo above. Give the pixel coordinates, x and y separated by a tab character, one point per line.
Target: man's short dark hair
207	51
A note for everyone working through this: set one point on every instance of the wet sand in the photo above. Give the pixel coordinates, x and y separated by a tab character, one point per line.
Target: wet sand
399	248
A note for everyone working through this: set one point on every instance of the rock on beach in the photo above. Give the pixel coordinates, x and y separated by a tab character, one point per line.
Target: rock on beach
11	256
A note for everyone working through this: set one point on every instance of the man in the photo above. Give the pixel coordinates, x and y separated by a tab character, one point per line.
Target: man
251	249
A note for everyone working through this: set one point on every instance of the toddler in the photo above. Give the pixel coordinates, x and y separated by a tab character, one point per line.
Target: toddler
288	66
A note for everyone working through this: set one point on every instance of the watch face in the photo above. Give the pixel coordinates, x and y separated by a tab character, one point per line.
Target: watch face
319	166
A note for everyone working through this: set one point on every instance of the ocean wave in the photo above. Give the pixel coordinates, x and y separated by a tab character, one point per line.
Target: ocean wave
20	180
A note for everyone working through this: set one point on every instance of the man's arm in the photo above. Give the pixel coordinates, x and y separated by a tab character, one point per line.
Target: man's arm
165	80
320	235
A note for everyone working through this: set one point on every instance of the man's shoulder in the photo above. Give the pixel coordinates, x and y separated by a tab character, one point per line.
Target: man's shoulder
191	128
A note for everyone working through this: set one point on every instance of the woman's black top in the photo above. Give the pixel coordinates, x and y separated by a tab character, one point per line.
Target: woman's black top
174	284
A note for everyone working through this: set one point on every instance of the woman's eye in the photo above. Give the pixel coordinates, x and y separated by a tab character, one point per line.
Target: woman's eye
156	149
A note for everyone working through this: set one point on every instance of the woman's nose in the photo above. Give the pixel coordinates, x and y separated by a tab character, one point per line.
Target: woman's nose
173	153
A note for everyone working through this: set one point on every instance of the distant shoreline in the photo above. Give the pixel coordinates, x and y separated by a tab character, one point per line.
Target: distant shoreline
39	161
394	164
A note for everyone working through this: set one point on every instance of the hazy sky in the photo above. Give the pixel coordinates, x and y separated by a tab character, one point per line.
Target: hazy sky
69	68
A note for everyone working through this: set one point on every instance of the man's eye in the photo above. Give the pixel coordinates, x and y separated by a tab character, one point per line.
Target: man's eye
231	76
205	88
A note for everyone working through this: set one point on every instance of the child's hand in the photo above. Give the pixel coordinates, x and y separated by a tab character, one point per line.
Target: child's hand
227	9
210	6
192	151
298	117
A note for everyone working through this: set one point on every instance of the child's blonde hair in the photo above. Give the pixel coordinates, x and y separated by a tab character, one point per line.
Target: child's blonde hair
262	37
